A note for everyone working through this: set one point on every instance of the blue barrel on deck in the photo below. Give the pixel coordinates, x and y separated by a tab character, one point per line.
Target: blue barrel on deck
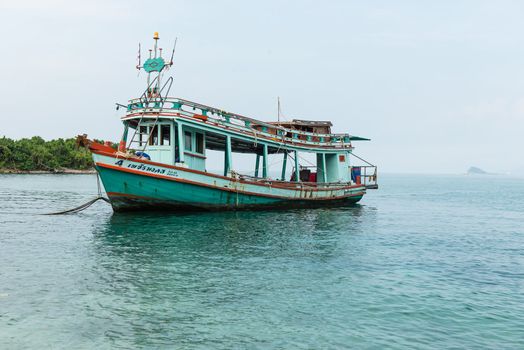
355	174
143	154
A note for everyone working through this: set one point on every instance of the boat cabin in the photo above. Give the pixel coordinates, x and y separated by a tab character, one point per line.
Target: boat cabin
178	132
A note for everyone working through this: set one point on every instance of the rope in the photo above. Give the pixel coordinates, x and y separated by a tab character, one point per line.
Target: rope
85	205
365	161
80	207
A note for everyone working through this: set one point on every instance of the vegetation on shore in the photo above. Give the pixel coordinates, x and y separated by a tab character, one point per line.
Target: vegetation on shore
37	154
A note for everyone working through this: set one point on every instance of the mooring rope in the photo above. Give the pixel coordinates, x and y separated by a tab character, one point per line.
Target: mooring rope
85	205
80	207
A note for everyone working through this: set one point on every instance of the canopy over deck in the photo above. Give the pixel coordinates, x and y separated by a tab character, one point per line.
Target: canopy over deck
313	135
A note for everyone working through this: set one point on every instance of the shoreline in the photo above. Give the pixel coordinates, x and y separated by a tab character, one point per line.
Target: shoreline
42	172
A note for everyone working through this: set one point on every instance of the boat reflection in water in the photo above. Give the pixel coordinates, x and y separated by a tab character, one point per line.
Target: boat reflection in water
201	277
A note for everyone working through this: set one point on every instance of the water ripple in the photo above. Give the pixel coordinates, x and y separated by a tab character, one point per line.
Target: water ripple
414	266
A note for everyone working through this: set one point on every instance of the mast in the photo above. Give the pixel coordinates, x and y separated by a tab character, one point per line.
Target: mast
155	63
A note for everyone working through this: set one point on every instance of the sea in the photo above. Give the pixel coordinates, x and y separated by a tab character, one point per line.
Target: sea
424	262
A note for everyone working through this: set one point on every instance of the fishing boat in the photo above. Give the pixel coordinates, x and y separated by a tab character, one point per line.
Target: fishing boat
160	161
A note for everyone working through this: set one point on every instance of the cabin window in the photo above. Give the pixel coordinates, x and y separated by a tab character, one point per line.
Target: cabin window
187	141
142	136
165	135
153	136
199	143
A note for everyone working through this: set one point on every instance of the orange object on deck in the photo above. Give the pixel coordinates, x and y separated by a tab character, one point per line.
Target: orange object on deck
122	146
201	117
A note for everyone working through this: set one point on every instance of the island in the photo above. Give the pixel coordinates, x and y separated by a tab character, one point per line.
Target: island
476	171
36	155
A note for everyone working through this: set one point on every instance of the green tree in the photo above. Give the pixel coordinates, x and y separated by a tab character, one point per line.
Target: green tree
37	154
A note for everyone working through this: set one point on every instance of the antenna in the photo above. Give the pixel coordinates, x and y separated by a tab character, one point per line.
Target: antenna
278	108
155	62
173	53
139	57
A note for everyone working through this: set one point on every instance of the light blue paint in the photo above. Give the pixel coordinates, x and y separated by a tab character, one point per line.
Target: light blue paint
227	155
297	170
181	148
264	162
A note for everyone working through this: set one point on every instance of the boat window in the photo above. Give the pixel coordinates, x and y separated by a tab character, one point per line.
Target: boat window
142	136
153	136
187	141
165	132
199	140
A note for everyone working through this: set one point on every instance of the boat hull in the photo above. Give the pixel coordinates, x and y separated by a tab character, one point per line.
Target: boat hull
134	185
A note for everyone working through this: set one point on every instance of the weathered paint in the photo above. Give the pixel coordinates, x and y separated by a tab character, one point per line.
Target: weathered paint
125	180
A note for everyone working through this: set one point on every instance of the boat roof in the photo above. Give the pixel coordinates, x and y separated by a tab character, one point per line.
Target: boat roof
301	122
220	122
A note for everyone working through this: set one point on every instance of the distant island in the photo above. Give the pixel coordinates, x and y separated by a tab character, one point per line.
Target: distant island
36	155
476	171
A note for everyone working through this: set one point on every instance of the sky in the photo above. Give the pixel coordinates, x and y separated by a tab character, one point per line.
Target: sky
437	85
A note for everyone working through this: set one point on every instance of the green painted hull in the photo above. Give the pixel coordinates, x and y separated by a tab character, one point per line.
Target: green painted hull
128	191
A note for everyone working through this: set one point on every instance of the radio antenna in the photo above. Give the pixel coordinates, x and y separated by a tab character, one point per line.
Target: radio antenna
139	58
278	106
173	53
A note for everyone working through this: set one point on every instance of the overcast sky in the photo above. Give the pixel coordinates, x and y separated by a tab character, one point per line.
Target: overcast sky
437	85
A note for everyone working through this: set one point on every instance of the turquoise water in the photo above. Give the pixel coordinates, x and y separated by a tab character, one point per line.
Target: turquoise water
425	262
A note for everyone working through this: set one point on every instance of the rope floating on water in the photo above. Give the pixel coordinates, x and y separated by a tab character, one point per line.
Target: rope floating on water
85	205
80	207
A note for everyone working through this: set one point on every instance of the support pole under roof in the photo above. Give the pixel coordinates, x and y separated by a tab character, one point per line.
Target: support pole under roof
324	174
180	132
257	165
264	163
284	163
297	170
227	156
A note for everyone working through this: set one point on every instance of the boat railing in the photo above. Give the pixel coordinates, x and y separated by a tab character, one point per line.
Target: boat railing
291	184
365	175
275	132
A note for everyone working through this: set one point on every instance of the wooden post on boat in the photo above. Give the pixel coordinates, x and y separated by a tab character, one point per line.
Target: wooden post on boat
297	170
227	154
284	167
264	162
324	175
257	165
180	142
